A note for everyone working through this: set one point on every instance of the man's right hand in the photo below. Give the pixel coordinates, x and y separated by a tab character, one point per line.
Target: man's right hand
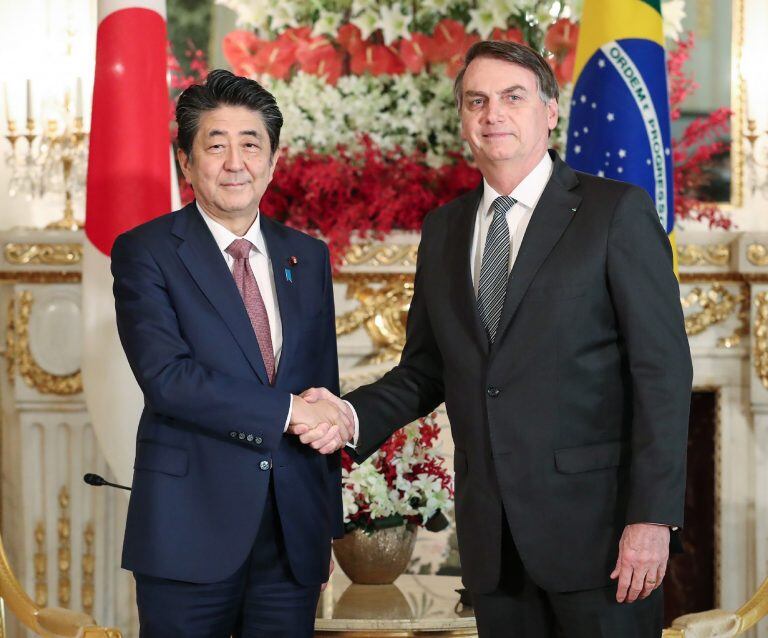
321	424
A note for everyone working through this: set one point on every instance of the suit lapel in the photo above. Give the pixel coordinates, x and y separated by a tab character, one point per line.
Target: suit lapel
458	254
279	247
205	263
553	213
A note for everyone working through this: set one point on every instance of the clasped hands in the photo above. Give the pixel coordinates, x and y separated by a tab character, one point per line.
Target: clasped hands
321	420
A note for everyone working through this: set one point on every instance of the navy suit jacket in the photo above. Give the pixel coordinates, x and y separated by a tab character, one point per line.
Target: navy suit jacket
211	433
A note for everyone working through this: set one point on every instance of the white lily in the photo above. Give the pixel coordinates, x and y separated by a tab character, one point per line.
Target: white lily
367	22
327	23
394	23
673	12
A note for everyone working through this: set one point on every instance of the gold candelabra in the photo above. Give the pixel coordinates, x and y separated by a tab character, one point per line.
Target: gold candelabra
51	159
757	156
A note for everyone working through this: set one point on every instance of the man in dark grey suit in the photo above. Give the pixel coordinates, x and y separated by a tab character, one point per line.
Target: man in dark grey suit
546	315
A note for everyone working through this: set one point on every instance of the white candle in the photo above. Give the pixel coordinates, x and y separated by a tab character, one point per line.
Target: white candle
79	98
29	99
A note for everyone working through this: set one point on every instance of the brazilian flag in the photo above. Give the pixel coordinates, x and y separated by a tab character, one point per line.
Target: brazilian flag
619	123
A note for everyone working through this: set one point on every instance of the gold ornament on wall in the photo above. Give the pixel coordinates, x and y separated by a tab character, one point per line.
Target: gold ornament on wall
375	255
43	254
717	305
704	255
10	341
384	302
761	337
64	530
35	376
88	590
40	563
757	254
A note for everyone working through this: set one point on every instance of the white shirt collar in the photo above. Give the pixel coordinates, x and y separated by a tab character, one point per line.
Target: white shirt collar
224	237
528	191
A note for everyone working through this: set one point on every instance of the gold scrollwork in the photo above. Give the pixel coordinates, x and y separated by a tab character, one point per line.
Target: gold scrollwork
40	562
374	255
64	530
44	254
757	254
384	303
761	337
34	376
10	341
704	255
717	304
88	591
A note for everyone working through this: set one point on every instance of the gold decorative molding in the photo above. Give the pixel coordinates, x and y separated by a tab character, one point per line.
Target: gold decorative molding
717	304
378	255
760	328
64	530
704	254
88	590
43	254
40	562
35	376
757	254
384	303
10	341
43	277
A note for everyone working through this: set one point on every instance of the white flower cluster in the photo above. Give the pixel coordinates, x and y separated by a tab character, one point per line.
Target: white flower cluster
421	497
410	112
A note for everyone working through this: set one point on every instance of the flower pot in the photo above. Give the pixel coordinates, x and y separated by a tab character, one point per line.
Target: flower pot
377	558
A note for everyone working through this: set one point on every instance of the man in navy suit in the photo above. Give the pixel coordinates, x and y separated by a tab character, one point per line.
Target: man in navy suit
225	316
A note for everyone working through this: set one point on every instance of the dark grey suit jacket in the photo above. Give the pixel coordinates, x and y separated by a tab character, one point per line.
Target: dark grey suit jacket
575	420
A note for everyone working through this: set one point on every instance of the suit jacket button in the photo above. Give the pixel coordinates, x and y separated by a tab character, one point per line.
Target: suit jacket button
241	436
233	435
265	465
493	392
249	438
257	440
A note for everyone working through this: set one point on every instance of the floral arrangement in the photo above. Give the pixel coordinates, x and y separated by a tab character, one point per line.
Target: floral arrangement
371	138
404	482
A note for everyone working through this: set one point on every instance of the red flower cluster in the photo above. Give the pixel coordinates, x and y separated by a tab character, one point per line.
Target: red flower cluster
365	191
560	41
386	457
703	140
347	53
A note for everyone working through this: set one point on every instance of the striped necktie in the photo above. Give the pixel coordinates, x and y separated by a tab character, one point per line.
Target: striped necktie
494	269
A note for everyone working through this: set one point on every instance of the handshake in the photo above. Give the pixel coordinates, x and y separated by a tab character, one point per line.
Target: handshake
322	420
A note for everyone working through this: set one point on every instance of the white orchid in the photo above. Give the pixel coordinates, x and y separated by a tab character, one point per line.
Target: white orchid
673	12
394	23
327	23
367	22
485	19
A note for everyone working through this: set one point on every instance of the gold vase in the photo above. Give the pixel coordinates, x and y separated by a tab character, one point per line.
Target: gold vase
377	558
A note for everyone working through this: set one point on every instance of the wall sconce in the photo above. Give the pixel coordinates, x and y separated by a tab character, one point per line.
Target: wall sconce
757	157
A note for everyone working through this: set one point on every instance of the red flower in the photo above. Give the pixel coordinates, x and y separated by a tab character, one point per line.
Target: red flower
239	47
561	40
376	59
415	52
350	38
318	57
450	44
510	35
275	58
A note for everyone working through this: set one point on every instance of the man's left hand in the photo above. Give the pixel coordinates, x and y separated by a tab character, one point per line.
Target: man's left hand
642	562
330	573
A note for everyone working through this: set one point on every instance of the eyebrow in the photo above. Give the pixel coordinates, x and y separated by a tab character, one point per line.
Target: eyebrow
509	89
250	132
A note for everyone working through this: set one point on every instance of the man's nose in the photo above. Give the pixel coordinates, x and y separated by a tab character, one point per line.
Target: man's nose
233	160
493	111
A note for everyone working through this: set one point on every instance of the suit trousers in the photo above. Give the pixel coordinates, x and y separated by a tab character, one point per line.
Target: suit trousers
519	608
260	600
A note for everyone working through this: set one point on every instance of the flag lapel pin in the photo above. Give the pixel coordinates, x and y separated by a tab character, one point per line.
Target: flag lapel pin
292	261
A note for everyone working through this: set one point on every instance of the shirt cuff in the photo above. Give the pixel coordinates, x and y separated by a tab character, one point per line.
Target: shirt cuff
353	442
288	418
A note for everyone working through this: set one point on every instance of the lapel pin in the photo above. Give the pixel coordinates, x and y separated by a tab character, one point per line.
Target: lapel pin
292	260
573	210
289	275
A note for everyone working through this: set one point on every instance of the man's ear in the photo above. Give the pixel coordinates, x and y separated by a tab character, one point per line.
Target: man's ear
184	162
273	160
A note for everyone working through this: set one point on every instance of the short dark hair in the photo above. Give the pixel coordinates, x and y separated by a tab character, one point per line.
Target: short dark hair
221	88
519	54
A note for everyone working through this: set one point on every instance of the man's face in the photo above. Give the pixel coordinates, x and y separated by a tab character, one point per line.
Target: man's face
502	116
230	165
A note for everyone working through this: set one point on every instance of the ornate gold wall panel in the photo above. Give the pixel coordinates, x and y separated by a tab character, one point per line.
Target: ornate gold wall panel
704	255
40	561
35	376
757	254
43	254
88	592
376	255
717	305
64	531
761	337
10	342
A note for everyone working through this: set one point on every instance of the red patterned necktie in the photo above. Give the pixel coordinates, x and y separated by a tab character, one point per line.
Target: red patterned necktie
240	249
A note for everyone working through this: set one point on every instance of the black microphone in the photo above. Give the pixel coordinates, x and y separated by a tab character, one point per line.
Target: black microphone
97	481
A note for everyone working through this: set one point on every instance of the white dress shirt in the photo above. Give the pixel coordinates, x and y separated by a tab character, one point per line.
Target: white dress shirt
527	193
262	271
